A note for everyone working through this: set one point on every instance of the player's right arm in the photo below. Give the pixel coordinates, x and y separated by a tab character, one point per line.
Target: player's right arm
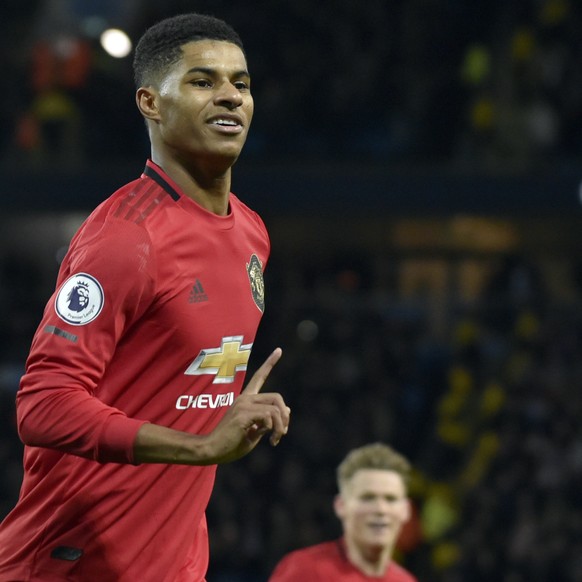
55	404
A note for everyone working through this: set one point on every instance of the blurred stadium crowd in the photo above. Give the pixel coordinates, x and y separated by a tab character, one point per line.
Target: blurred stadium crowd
480	390
486	82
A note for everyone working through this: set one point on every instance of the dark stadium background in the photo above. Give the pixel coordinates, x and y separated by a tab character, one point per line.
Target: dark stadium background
418	164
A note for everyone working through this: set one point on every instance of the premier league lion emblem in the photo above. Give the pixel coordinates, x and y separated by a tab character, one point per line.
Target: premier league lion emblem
80	299
255	273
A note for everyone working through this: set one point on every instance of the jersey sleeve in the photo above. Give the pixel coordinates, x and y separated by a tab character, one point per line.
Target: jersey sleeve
105	283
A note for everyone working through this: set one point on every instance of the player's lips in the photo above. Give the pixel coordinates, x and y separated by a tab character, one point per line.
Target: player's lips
227	123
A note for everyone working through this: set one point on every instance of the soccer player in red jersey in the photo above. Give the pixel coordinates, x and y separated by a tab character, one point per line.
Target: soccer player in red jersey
372	505
133	388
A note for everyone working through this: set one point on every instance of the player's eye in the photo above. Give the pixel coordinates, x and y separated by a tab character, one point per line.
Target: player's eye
201	83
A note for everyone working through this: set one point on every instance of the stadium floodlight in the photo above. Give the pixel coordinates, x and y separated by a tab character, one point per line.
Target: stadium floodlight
116	42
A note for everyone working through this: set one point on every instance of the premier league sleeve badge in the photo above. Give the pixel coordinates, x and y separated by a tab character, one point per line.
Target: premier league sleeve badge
80	299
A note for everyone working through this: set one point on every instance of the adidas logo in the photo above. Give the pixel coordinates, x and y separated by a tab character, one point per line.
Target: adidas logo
197	293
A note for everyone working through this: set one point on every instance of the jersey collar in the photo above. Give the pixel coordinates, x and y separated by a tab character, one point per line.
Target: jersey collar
154	172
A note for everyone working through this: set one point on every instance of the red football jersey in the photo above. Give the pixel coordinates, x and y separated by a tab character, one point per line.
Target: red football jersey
328	561
153	319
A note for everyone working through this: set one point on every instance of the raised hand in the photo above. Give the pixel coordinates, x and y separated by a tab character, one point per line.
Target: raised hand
251	416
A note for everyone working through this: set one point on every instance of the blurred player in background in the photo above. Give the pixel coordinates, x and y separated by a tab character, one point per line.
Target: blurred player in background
372	505
132	389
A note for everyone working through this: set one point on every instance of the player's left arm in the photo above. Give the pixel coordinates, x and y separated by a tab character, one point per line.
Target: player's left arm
252	415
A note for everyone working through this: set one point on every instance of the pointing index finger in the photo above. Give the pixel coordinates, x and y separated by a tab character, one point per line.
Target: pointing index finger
260	376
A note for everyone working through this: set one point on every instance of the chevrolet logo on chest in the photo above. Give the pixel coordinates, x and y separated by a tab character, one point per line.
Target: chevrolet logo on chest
223	362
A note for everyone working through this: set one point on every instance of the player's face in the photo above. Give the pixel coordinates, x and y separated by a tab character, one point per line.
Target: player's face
205	103
373	508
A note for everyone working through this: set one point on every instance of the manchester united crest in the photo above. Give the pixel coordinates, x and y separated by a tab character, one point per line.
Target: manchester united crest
255	273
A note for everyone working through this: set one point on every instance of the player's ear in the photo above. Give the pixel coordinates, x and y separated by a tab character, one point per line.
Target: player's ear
146	99
339	506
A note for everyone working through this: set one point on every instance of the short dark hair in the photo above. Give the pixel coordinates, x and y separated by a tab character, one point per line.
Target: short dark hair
160	45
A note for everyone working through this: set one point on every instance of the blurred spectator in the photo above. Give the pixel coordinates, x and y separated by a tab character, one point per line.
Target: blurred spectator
483	86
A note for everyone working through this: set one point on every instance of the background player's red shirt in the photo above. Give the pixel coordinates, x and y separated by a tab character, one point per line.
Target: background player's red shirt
328	561
153	318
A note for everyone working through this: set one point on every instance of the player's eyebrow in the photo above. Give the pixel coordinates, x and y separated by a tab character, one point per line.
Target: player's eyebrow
209	71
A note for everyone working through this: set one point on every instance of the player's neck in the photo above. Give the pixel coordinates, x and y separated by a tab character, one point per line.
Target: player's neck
207	186
372	561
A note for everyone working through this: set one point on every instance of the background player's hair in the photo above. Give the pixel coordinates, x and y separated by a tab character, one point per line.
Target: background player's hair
160	45
373	456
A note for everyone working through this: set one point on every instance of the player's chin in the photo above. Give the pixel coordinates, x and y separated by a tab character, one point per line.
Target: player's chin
378	543
379	538
229	148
